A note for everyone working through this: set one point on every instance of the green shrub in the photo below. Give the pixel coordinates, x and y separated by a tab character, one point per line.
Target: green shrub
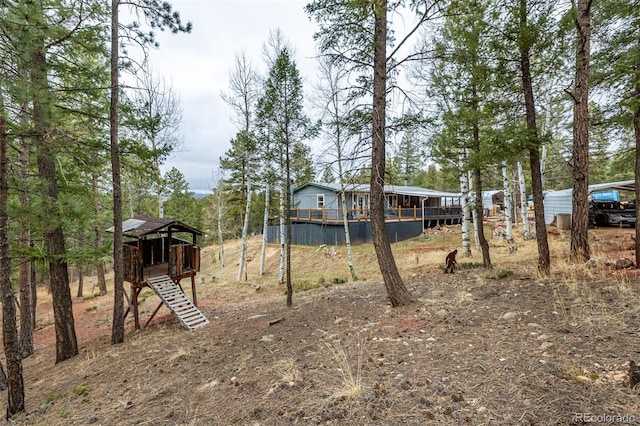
504	273
54	397
81	390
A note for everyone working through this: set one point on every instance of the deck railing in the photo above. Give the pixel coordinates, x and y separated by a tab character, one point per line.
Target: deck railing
363	214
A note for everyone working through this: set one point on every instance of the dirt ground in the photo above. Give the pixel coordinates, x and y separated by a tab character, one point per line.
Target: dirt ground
480	347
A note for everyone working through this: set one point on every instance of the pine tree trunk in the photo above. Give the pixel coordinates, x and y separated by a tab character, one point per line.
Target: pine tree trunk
117	328
24	270
34	292
97	245
636	132
66	343
12	349
396	290
579	202
482	240
534	152
80	281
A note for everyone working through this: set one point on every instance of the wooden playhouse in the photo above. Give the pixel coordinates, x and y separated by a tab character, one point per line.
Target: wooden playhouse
159	253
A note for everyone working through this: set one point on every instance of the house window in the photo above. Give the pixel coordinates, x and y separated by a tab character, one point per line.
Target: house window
360	201
320	200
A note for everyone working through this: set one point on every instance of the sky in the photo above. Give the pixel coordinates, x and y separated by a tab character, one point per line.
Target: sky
197	65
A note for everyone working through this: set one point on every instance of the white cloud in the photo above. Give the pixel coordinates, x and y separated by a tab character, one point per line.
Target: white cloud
198	66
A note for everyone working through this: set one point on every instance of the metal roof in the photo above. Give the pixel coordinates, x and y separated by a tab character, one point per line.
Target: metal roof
142	225
625	185
388	189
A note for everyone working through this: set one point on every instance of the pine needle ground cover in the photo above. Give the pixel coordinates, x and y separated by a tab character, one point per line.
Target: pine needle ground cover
479	346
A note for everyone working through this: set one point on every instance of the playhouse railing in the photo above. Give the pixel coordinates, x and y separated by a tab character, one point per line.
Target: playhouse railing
183	259
132	257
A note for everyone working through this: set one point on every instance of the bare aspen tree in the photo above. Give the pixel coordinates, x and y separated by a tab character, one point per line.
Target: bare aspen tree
466	209
508	214
526	229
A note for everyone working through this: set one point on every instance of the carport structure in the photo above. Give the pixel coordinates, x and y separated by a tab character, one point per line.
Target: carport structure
559	202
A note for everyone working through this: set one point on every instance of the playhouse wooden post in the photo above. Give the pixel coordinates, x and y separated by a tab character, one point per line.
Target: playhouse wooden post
134	303
193	290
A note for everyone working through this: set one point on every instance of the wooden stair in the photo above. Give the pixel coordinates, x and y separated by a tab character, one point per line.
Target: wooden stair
175	299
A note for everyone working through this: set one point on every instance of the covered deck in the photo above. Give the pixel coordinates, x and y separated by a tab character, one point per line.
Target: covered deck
431	215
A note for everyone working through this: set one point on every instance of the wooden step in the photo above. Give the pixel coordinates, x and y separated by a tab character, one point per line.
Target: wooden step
174	299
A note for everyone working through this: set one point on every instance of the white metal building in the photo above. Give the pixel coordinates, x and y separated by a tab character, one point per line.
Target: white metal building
559	202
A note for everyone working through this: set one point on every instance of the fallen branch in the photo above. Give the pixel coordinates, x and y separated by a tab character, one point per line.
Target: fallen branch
275	321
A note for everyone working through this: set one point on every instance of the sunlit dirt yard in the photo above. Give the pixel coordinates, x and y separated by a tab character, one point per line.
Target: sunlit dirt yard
483	347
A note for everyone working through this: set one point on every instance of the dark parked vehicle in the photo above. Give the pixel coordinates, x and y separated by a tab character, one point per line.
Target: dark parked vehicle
611	213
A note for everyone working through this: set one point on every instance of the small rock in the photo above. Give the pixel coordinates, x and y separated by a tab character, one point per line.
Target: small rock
546	345
624	263
508	315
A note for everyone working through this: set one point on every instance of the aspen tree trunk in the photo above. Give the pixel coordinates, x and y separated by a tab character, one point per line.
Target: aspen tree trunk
347	234
288	226
283	237
523	203
506	189
219	225
245	229
345	213
543	166
464	204
514	198
265	227
474	211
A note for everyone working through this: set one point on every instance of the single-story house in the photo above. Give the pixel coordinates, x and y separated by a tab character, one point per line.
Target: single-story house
323	201
317	212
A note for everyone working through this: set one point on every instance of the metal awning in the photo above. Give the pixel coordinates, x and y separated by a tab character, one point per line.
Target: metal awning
625	185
